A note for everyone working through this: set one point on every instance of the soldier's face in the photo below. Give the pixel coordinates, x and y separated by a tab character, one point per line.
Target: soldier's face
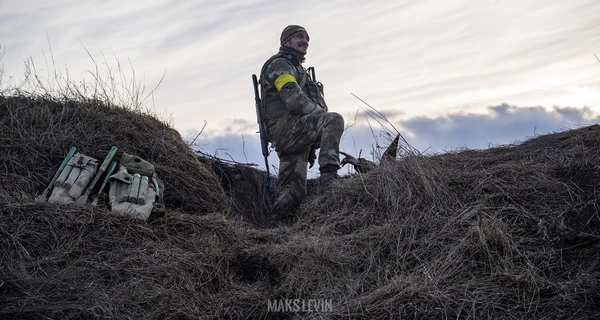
298	42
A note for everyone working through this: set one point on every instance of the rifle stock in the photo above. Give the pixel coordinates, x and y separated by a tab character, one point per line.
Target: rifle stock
264	143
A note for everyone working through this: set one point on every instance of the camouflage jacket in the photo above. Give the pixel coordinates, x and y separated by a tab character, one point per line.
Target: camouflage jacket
299	97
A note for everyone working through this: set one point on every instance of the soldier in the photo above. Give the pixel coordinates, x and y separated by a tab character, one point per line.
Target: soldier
295	115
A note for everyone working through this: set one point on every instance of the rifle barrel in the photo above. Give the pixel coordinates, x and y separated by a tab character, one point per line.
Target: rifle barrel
261	129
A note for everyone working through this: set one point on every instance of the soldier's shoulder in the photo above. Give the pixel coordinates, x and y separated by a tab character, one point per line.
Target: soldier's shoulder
277	67
280	63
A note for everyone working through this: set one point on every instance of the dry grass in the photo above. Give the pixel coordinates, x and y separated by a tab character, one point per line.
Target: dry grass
511	232
64	262
38	131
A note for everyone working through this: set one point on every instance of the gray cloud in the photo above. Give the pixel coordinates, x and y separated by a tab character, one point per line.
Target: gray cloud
502	124
235	147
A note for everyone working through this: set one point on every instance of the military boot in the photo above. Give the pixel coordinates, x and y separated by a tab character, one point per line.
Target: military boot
281	215
328	175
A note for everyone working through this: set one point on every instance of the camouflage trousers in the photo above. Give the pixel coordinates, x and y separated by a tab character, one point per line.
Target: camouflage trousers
293	146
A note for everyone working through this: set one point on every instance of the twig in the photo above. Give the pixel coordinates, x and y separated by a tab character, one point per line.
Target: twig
96	75
244	148
218	159
199	133
374	113
377	111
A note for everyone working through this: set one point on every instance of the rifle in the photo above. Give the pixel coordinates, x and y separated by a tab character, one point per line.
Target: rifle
44	194
112	167
264	143
312	72
83	198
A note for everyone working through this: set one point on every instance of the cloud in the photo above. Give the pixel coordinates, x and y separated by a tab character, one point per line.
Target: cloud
234	147
502	124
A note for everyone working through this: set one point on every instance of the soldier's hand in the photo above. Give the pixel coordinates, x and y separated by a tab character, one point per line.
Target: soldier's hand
348	158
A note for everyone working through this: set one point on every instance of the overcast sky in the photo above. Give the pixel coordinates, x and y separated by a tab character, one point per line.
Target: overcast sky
447	74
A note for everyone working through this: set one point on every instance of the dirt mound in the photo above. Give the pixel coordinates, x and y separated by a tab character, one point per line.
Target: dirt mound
64	263
37	132
246	187
509	232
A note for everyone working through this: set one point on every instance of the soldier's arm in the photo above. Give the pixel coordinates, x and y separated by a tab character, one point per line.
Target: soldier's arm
283	76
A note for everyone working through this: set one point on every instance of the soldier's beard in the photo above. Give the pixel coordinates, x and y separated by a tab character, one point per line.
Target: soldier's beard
299	55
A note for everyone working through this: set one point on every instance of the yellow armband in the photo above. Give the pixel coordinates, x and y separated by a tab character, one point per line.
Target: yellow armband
283	79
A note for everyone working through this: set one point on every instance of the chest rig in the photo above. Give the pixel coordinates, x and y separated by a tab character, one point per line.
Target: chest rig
272	106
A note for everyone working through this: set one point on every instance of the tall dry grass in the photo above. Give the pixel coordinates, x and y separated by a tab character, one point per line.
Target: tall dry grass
43	115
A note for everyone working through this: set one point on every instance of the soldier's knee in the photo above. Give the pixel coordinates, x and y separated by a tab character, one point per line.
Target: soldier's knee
335	119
